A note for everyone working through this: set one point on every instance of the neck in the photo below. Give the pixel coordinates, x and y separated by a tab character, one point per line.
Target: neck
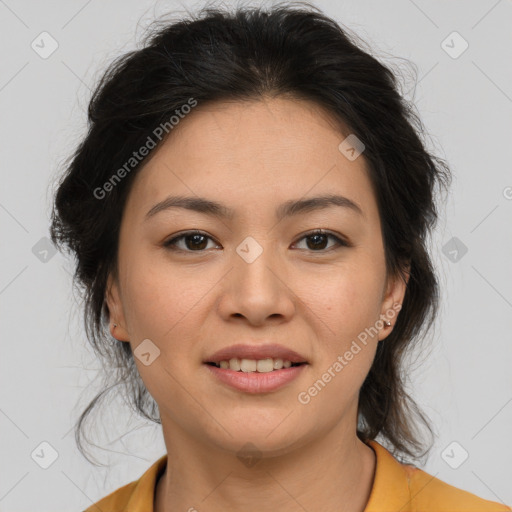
333	474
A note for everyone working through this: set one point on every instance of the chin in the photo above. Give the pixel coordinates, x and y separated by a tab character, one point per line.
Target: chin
268	439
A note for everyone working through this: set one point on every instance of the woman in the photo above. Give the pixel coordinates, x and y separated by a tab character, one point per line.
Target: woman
249	213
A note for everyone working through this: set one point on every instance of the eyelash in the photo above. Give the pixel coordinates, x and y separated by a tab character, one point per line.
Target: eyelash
171	243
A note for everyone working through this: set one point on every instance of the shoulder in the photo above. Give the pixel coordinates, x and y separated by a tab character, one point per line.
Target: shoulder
136	496
406	488
430	493
115	501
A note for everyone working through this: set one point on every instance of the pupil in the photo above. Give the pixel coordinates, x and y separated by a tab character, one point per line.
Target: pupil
195	237
316	237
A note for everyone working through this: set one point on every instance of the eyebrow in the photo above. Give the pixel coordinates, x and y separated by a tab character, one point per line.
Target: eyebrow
286	209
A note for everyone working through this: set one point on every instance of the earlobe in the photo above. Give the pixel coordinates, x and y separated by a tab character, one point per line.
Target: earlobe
115	308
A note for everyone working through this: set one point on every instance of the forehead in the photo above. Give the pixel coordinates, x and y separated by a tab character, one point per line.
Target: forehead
254	153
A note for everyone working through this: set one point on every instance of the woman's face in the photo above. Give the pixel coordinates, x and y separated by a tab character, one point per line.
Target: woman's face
253	278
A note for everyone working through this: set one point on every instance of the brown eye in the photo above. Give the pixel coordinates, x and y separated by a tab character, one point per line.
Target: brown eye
194	241
318	239
197	241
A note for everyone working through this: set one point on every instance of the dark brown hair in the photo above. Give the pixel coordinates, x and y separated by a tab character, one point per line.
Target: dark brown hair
287	50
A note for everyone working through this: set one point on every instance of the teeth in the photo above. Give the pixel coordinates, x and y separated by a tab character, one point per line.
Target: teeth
254	365
248	365
265	365
234	364
278	364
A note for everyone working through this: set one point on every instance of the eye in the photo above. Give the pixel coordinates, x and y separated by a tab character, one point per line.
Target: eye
197	241
319	238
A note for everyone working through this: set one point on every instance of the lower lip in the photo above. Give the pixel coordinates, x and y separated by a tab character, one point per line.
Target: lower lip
255	382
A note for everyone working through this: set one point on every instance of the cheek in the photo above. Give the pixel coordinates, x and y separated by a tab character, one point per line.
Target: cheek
344	310
344	301
158	297
151	306
159	305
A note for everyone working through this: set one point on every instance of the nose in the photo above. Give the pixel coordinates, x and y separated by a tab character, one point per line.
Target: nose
256	288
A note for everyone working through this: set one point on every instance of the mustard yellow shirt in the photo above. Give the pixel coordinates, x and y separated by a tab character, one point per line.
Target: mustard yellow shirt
396	488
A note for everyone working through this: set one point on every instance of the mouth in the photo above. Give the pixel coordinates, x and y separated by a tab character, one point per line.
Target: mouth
244	365
255	368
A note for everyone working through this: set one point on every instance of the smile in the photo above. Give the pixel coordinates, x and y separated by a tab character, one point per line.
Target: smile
266	365
249	379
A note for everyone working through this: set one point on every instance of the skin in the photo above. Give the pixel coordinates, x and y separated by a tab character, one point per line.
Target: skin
252	156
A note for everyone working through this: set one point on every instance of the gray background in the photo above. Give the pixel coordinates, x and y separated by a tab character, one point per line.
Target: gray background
47	371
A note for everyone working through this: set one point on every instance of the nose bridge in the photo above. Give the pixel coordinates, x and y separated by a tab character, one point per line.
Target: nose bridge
254	261
258	288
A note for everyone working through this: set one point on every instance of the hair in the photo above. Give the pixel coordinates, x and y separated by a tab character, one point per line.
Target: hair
292	51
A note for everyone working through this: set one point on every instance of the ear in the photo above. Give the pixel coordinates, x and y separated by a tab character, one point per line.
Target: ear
392	300
115	308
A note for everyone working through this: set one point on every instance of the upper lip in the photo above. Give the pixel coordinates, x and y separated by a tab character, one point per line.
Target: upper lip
242	351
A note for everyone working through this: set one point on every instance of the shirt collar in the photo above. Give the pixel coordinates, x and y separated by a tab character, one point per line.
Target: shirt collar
390	487
142	497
